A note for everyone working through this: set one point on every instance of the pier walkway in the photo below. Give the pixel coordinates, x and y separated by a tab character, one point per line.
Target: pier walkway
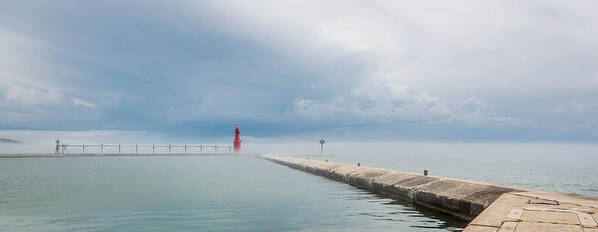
538	211
489	207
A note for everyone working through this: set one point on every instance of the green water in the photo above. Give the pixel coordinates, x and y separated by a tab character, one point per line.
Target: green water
193	193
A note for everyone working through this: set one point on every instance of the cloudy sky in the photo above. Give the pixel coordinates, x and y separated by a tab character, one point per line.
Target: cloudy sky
343	69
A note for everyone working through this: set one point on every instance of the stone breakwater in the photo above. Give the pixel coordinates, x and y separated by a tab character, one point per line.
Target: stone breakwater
465	199
491	207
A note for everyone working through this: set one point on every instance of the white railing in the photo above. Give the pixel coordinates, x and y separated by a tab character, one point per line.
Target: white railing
62	148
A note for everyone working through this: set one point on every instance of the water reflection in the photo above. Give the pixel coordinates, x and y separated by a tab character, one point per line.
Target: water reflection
388	211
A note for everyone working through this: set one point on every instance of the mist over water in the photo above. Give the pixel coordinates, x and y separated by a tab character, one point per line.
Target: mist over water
563	167
245	193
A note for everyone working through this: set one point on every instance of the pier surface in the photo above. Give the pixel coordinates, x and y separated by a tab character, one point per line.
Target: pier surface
490	207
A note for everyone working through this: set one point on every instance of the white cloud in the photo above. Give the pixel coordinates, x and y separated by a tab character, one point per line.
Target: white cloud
35	141
376	103
396	103
31	106
19	94
79	102
473	103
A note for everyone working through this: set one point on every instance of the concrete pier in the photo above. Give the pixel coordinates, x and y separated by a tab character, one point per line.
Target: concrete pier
489	207
538	211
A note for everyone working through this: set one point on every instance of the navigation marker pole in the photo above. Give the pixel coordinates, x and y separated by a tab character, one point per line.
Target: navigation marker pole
322	146
57	147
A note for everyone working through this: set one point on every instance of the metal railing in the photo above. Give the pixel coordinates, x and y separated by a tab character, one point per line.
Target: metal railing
62	148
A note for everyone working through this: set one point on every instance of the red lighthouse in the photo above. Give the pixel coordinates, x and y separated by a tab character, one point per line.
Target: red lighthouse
237	140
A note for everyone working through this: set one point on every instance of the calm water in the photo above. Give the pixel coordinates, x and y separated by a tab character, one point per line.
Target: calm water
201	193
549	166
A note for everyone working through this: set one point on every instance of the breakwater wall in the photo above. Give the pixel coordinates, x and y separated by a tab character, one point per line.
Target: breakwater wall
465	199
490	207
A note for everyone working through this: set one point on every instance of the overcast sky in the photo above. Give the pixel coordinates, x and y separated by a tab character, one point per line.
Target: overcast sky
343	69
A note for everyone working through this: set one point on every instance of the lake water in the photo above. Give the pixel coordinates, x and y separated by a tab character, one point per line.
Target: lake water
562	167
193	193
244	193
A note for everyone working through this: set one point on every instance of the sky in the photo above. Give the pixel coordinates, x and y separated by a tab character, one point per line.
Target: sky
295	70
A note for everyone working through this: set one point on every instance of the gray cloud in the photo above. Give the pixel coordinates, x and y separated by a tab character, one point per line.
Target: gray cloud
5	140
442	70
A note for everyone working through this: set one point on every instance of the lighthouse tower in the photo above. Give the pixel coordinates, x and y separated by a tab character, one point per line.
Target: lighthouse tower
237	140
